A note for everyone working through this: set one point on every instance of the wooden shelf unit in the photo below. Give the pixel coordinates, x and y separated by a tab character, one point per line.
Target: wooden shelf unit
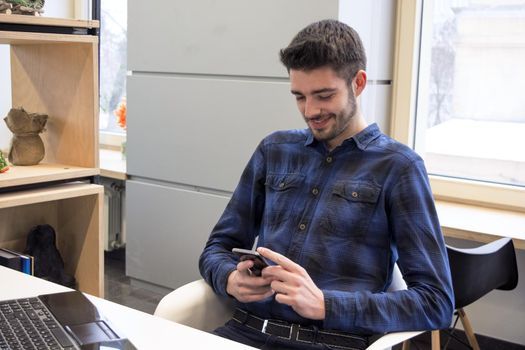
75	212
57	74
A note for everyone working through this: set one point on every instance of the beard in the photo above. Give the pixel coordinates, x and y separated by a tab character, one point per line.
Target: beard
342	119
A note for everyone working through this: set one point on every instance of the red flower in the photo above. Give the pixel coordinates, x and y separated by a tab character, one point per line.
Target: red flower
120	112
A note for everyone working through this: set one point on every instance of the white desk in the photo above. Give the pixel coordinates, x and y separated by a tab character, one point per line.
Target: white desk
144	330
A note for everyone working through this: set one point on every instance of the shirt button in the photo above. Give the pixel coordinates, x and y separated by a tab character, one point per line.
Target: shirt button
329	159
302	227
315	191
281	185
354	194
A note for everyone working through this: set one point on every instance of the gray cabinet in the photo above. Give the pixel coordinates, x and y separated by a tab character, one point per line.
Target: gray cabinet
227	37
206	86
201	131
169	226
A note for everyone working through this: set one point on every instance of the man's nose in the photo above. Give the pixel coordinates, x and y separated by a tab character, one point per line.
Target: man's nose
311	109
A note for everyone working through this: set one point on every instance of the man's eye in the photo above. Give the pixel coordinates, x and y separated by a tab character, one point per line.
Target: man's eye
325	97
299	98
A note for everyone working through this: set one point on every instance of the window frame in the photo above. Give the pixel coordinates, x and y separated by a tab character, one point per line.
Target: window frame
107	139
403	117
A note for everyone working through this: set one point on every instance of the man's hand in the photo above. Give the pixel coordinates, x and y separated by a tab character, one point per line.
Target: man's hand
293	286
245	287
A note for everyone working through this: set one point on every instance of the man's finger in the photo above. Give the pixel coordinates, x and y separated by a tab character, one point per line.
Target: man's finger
279	287
244	266
257	297
279	259
276	272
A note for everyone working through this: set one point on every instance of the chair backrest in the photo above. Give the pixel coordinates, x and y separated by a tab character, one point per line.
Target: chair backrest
398	283
196	305
477	271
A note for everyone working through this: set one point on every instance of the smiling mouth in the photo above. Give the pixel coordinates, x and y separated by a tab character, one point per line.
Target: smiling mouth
319	122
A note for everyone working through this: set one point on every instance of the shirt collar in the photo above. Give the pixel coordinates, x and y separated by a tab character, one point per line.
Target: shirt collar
367	135
309	138
361	139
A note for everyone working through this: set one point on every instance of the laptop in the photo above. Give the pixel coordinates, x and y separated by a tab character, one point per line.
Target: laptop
65	320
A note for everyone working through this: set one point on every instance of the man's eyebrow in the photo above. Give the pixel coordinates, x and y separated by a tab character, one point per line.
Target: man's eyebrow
319	91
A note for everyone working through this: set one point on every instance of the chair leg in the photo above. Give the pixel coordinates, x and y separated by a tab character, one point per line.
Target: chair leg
406	345
435	340
468	329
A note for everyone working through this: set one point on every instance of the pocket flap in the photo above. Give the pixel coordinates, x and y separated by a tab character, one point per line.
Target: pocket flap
282	182
357	191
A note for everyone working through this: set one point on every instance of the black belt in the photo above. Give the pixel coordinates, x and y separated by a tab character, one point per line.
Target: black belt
300	333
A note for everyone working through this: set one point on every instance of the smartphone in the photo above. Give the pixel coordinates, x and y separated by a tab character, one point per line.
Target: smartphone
259	262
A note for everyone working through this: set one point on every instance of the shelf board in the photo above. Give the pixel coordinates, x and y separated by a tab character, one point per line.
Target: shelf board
49	21
45	172
17	38
49	194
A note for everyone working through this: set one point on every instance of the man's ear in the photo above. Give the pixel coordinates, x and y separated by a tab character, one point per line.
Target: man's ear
359	82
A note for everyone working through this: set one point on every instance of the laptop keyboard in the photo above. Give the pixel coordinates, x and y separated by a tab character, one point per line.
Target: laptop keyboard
27	324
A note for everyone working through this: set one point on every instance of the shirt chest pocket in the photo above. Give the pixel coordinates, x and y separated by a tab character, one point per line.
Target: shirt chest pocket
351	207
282	191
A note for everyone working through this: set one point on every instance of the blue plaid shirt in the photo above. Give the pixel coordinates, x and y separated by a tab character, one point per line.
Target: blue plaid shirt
346	216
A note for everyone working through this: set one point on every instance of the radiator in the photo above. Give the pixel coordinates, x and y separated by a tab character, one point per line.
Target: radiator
114	227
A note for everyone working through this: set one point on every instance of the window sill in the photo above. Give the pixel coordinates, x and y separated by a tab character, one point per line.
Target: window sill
481	224
111	140
112	164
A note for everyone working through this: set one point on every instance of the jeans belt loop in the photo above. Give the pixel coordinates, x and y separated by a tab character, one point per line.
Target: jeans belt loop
245	317
294	331
265	324
316	330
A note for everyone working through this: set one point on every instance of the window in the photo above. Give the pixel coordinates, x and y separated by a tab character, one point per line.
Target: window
414	38
113	68
470	115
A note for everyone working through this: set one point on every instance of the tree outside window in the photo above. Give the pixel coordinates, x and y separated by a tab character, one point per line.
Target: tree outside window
471	114
113	63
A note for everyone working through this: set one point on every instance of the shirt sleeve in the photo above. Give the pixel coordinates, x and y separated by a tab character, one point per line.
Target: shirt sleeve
428	302
238	226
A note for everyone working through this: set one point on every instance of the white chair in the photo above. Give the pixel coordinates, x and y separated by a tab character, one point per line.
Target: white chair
196	305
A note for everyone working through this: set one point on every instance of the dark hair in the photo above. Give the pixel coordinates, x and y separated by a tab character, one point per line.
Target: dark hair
326	43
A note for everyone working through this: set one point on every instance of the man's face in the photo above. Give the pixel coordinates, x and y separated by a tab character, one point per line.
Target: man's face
326	103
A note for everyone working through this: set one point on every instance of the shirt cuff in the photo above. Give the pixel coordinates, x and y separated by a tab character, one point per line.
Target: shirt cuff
221	281
340	309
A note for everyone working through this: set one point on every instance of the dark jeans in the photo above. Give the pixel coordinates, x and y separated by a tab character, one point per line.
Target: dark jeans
235	331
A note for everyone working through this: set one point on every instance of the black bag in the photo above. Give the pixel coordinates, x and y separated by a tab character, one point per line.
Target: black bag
41	244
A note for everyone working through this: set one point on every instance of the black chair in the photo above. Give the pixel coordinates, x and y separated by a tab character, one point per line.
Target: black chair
476	272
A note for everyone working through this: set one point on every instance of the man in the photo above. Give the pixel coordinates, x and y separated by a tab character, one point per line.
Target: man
334	206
